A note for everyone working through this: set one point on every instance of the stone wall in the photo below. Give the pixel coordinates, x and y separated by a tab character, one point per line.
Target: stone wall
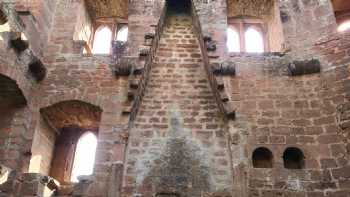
278	111
180	141
178	138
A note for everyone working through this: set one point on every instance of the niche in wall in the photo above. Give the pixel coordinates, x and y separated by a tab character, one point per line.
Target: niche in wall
262	158
293	158
342	14
12	128
256	22
61	129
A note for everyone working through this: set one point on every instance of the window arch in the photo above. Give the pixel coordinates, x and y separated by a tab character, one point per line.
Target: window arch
122	33
262	158
344	26
233	40
254	41
102	40
293	158
84	157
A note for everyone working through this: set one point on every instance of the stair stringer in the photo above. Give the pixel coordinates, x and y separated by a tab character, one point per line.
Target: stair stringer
147	68
226	109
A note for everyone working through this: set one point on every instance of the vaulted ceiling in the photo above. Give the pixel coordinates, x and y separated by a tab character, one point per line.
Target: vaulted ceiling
73	114
341	5
107	8
255	8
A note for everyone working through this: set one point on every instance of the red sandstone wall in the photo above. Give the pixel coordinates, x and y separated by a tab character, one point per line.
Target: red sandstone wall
274	110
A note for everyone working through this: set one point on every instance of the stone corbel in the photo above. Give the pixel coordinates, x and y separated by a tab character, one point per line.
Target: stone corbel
297	68
225	68
210	43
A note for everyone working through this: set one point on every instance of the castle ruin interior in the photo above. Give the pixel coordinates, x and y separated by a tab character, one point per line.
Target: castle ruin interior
175	98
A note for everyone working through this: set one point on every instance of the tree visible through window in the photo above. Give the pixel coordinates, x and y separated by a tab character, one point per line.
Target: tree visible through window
102	41
84	156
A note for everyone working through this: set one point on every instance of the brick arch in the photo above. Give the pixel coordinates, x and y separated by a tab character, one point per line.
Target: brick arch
66	121
13	124
65	97
72	108
251	8
18	77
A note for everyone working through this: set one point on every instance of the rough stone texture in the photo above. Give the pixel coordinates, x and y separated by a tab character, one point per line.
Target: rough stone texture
175	140
178	143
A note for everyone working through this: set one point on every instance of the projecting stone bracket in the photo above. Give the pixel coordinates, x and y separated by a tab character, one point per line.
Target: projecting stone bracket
37	69
220	84
144	52
224	97
149	36
224	68
230	110
35	65
123	67
343	115
210	43
297	68
15	41
128	66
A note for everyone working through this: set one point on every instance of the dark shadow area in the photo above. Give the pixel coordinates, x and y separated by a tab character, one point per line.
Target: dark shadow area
262	158
179	6
293	158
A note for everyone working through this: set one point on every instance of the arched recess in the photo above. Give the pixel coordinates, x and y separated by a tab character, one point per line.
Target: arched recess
262	158
13	124
263	16
293	158
342	14
56	137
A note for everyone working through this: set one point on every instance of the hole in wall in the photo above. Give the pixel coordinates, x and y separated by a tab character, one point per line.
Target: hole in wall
262	158
293	158
179	6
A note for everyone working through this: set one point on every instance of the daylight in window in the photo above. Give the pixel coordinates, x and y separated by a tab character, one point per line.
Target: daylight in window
102	41
233	43
122	34
84	156
344	26
254	41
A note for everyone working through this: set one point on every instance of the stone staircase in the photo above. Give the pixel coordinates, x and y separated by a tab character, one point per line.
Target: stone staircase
178	134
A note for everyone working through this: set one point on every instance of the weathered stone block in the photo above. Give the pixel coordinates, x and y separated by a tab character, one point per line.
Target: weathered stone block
304	67
225	68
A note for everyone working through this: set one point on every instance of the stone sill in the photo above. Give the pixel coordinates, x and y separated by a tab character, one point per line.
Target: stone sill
259	55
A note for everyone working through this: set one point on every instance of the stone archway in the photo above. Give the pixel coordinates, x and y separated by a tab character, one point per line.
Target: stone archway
13	125
60	128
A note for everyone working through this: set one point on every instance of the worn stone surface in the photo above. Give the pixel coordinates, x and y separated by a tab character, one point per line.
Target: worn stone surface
177	142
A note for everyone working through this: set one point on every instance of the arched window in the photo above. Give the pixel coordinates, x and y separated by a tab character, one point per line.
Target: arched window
262	158
233	43
254	41
84	158
122	34
293	158
344	26
102	41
